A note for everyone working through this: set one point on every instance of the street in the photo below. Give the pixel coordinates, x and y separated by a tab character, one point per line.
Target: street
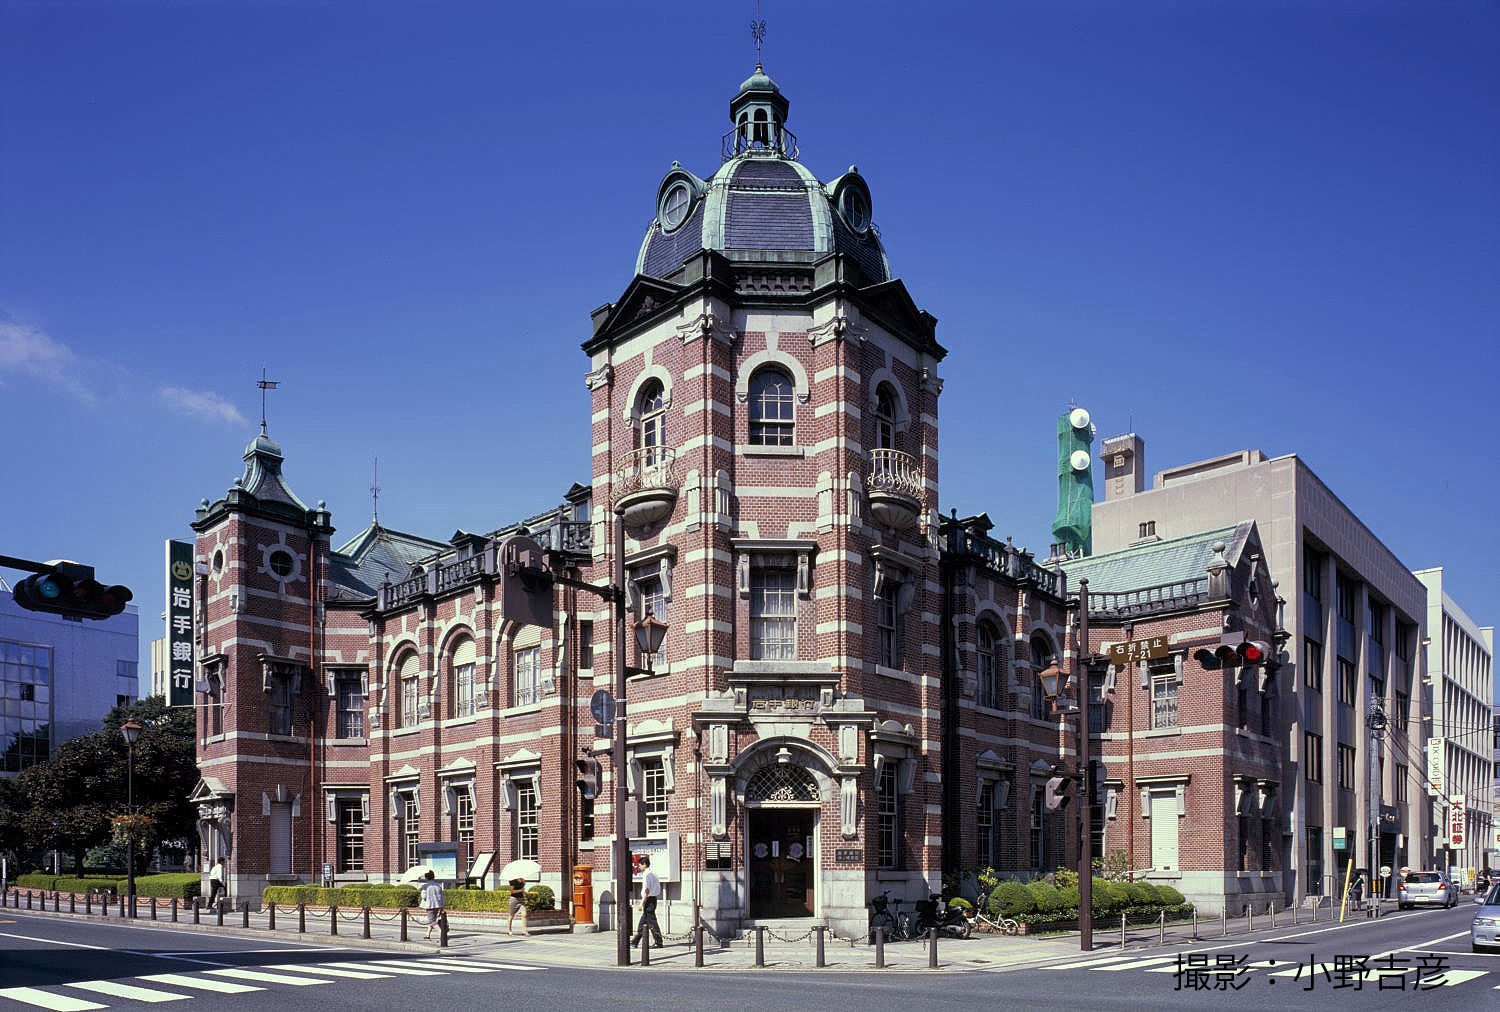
70	965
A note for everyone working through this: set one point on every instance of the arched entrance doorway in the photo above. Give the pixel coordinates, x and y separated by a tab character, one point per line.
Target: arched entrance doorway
781	807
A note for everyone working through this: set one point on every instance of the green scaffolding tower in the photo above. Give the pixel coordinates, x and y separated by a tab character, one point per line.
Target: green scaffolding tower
1073	527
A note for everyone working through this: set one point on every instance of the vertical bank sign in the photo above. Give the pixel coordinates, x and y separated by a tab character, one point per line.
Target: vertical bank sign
1458	820
179	623
1435	765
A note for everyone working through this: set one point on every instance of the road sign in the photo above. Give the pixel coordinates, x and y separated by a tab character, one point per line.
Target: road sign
602	706
604	731
1385	871
1138	650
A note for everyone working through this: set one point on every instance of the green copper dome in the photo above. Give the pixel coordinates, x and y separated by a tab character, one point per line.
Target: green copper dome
759	81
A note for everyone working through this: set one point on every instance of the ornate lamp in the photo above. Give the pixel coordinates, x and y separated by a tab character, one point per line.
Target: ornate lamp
649	634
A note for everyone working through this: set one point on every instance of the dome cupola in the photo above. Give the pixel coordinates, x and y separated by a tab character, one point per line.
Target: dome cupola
758	113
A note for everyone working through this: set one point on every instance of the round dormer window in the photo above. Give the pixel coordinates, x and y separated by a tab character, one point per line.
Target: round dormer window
855	207
219	560
675	205
282	563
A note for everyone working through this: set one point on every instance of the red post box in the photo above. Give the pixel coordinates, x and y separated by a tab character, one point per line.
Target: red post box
583	894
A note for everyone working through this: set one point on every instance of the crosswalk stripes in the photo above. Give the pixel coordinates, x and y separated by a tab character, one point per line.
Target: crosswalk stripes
170	987
1139	964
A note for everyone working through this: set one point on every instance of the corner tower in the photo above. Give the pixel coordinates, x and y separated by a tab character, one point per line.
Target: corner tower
764	405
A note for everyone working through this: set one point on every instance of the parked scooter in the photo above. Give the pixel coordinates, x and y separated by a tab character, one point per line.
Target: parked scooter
948	919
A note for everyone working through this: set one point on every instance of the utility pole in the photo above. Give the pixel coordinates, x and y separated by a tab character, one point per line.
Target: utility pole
1375	720
621	856
1086	804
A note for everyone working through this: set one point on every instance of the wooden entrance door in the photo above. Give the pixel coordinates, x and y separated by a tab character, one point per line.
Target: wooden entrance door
782	866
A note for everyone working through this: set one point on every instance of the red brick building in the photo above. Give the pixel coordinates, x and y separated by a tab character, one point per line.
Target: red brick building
846	699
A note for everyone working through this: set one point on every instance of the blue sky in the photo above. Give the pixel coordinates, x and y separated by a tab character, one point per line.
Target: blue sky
1223	223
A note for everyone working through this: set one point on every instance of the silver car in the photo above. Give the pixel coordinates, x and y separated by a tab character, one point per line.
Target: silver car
1425	887
1485	931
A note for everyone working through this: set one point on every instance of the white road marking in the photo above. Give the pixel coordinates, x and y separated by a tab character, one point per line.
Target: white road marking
448	960
397	966
1450	977
1264	964
57	941
449	967
329	969
117	990
45	999
1422	946
203	984
269	978
1137	964
1086	962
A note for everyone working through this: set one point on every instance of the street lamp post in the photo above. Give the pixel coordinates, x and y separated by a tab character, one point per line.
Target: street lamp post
131	731
1376	721
1052	680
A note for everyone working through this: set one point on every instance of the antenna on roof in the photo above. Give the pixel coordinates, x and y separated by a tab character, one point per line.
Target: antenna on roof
265	385
758	32
375	497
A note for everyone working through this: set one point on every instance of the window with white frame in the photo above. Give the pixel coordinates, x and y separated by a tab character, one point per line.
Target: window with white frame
410	829
527	820
772	408
528	675
349	703
653	601
888	811
1038	829
888	624
651	411
463	679
773	614
1163	699
463	822
280	704
984	825
988	648
349	819
885	418
214	718
407	683
654	794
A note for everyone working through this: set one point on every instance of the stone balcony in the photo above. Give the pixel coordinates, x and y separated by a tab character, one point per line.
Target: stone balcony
894	488
647	485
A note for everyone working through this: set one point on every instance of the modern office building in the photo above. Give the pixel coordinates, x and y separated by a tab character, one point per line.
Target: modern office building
1354	614
59	677
1461	673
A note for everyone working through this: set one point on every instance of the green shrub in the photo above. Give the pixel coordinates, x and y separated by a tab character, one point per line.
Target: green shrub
540	897
1119	896
1046	897
290	896
1066	877
87	884
1011	899
1171	897
377	894
1070	897
1143	894
36	880
477	899
961	903
167	885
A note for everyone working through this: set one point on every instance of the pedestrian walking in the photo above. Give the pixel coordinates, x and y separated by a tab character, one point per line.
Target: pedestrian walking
432	901
517	906
650	893
215	881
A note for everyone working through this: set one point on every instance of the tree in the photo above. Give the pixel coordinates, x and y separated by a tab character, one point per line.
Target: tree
72	797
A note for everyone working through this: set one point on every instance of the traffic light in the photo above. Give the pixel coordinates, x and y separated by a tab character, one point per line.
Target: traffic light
1214	658
68	588
1254	652
1057	792
588	777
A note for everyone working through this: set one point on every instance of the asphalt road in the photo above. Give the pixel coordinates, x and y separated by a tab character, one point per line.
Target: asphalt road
72	966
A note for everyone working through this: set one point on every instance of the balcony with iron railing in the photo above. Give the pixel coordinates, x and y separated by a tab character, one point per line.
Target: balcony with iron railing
895	488
758	138
646	486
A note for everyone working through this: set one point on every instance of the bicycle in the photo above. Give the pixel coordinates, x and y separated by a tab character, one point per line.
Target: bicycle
886	913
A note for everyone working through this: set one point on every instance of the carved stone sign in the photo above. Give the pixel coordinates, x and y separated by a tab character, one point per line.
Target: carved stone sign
780	700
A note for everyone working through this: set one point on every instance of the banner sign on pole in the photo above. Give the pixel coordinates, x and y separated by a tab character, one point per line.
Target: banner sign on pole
1458	820
179	623
1434	765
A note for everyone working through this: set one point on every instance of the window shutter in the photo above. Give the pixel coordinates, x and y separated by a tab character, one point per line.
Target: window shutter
396	805
450	799
364	807
333	808
1002	795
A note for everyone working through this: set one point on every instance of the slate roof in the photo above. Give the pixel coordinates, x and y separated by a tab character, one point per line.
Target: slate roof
374	555
1151	565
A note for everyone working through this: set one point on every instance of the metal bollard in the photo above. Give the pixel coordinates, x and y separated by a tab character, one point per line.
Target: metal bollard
219	912
1161	929
302	920
122	904
403	924
245	911
28	899
367	924
932	962
153	908
88	903
760	946
197	909
56	902
645	948
880	948
72	903
1224	921
174	909
270	917
818	935
698	944
442	929
1195	923
1122	932
333	920
1250	916
1273	913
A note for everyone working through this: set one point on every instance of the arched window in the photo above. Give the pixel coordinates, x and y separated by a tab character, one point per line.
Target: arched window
885	418
651	410
744	126
408	675
463	692
762	128
782	782
990	653
1042	655
773	419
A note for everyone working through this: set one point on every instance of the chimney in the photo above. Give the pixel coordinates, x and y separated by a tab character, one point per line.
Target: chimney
1124	460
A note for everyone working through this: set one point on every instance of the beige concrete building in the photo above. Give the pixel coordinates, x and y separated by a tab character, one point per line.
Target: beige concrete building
1460	667
1355	616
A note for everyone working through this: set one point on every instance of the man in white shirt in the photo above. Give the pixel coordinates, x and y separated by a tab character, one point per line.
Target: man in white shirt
215	881
650	893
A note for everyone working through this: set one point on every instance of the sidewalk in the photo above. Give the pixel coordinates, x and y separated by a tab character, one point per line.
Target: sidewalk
485	937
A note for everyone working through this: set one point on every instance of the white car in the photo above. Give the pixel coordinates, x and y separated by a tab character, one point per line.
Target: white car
1485	931
1425	887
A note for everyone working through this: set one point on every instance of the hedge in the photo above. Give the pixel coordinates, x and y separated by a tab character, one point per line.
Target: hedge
1011	899
36	880
1048	900
540	897
182	885
372	894
1170	896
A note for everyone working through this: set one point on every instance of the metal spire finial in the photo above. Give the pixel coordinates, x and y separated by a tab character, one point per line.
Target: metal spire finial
375	497
758	33
264	385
